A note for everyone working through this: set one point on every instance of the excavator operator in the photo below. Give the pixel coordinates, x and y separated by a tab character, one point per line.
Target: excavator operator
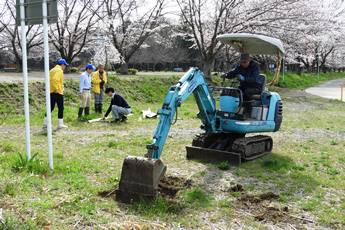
249	75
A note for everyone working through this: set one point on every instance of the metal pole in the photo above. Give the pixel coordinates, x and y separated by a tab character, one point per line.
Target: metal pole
283	69
318	66
47	83
25	79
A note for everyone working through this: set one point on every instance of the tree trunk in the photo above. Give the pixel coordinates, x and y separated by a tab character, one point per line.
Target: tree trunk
69	60
207	67
124	68
106	58
19	64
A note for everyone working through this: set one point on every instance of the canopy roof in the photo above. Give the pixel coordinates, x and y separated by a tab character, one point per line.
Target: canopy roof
253	43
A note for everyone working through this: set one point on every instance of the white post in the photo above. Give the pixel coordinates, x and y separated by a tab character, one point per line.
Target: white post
47	83
25	79
341	91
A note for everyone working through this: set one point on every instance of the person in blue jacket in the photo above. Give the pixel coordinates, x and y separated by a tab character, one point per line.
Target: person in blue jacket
248	73
118	106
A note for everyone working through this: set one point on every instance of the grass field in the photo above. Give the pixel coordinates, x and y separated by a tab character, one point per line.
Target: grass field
300	185
305	80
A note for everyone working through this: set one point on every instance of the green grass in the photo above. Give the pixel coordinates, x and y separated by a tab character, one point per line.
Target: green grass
33	165
145	89
197	197
160	207
306	167
224	165
11	223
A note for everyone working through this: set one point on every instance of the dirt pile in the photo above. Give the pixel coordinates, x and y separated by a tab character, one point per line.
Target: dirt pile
258	198
170	185
264	207
236	188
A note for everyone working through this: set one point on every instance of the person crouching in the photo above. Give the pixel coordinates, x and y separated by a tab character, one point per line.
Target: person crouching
118	106
84	91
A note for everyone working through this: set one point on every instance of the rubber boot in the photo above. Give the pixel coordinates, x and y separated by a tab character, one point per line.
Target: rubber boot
61	125
87	111
96	108
100	108
80	113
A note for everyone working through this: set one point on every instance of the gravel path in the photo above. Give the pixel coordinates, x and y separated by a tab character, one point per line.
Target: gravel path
329	89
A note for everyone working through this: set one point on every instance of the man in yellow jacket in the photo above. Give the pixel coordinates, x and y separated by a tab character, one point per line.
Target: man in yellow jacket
99	79
56	91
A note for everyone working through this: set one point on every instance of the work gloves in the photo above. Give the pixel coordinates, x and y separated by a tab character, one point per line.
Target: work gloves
240	77
224	75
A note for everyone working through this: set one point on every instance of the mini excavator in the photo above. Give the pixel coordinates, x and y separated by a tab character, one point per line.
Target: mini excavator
224	129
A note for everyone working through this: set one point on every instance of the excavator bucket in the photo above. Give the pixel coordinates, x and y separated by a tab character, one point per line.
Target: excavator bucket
140	177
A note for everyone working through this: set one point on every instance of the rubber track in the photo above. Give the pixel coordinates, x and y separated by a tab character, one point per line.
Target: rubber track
249	148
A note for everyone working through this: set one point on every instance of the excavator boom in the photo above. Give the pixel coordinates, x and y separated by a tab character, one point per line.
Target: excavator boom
191	83
140	175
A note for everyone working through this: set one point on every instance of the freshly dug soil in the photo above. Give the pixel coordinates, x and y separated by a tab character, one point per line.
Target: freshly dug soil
264	208
168	187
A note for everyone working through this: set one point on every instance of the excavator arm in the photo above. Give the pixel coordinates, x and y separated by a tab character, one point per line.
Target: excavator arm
140	176
193	82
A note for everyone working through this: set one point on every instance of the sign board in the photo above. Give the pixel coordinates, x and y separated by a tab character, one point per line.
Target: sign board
33	12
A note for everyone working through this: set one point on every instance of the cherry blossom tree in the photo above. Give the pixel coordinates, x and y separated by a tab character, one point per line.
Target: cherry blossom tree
130	23
10	35
313	34
75	27
207	19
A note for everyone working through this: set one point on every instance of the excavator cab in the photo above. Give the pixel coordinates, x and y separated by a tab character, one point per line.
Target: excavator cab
224	129
244	105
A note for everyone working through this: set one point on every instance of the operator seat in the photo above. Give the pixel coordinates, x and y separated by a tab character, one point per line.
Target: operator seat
253	91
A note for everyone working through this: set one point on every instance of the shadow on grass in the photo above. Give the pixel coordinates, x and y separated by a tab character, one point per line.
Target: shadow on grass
281	171
278	171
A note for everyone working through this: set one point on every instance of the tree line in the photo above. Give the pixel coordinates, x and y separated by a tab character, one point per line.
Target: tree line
183	31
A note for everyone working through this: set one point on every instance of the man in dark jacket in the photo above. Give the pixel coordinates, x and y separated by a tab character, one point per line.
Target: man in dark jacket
249	75
118	106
